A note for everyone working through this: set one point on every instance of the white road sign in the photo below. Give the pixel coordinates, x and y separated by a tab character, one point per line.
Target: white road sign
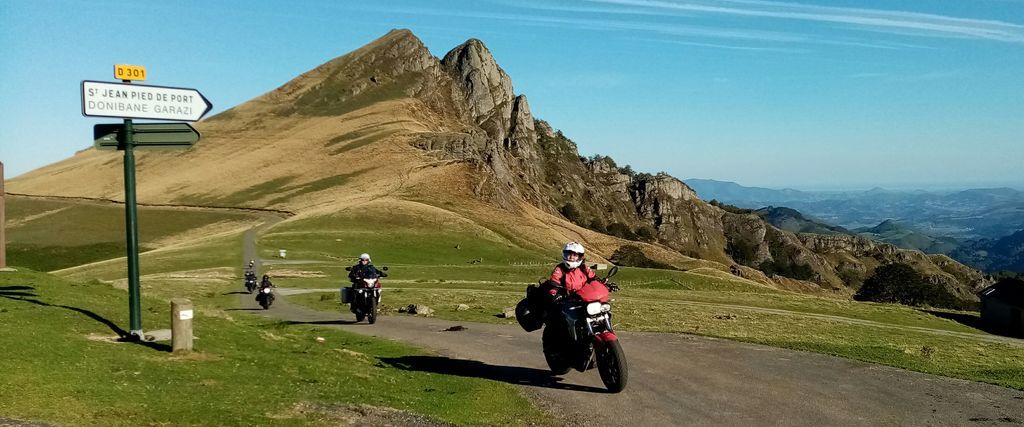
129	101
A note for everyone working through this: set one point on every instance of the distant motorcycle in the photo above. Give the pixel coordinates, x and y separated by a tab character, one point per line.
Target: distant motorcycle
578	330
265	297
363	296
250	283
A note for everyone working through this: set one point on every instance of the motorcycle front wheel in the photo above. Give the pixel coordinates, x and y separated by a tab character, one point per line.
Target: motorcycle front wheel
371	317
611	364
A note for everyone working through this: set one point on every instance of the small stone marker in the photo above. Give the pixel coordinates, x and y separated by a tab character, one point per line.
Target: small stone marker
181	325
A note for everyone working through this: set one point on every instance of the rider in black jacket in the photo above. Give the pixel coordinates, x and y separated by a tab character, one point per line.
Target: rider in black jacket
363	269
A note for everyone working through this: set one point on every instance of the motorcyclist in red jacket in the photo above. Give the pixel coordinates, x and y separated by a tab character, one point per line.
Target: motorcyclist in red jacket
572	272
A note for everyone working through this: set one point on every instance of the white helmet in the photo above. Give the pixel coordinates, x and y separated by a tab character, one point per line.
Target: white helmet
572	247
365	256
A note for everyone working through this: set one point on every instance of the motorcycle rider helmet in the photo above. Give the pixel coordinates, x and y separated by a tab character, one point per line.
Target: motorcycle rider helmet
572	248
364	257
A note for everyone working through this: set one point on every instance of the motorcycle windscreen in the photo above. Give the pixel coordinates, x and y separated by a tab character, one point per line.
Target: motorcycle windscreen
593	291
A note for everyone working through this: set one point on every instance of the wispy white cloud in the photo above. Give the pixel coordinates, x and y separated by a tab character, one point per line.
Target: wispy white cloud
604	17
603	24
720	45
929	76
923	23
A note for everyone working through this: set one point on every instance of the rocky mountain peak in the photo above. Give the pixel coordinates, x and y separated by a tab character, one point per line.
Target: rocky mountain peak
483	86
394	65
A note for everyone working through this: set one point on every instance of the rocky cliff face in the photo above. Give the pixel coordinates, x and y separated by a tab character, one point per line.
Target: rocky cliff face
525	158
476	118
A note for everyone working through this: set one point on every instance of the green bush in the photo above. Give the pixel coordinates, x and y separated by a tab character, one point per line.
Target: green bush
621	230
900	283
572	214
632	256
646	233
786	268
729	208
741	251
598	225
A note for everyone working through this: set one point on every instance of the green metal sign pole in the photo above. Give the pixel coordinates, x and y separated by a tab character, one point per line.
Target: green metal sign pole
131	224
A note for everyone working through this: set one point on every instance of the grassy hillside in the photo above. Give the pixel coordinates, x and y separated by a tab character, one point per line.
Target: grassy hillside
50	234
409	233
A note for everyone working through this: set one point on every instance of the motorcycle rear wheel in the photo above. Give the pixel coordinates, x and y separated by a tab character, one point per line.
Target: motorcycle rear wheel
611	364
553	341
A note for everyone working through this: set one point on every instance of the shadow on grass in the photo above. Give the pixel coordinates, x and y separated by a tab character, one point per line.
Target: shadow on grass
472	368
975	321
14	293
323	322
971	320
17	291
245	309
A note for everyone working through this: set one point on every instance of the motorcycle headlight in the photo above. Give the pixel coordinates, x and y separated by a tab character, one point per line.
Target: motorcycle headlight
266	290
606	307
594	308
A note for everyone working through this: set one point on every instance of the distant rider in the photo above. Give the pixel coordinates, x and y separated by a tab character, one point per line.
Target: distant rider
363	269
572	273
265	283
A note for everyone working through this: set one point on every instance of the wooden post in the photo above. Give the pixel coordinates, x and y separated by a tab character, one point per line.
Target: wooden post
3	221
181	325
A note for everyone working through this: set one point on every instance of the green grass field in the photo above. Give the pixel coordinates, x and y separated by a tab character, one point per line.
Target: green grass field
246	370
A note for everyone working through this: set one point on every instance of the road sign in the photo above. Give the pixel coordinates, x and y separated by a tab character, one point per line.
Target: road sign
130	72
147	136
125	100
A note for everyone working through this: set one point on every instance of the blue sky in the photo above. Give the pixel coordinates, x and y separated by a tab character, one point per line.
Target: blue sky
813	95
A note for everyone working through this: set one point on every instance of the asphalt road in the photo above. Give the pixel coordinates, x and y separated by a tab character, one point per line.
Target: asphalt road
679	379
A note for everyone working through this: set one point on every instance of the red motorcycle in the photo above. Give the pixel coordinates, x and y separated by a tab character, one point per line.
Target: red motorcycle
578	330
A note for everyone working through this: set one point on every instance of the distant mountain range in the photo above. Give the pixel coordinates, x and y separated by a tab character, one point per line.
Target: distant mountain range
792	220
983	227
1003	254
907	237
969	214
